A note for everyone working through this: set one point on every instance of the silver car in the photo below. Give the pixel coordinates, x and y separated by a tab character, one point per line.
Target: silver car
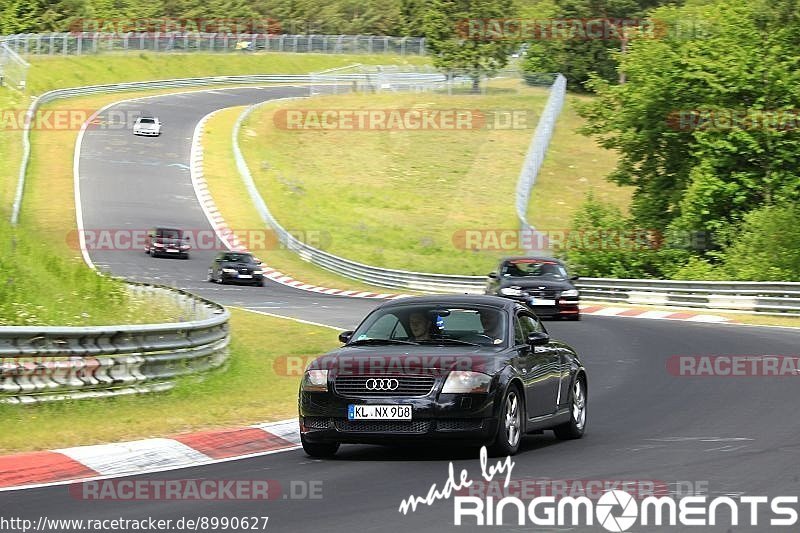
149	126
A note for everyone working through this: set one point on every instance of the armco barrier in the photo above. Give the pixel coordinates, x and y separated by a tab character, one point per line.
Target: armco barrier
761	298
363	80
55	363
740	296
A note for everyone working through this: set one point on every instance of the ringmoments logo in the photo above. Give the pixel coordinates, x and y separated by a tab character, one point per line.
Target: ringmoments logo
614	510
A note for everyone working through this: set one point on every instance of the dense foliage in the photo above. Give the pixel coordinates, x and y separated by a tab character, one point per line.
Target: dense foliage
707	130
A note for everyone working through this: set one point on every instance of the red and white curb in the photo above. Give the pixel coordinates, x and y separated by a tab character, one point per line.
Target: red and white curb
232	242
101	461
629	312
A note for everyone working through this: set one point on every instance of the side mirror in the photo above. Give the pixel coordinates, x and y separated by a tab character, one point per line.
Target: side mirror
538	338
185	237
492	275
575	278
345	336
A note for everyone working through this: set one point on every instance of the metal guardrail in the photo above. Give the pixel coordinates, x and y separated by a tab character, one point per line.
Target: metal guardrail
382	277
82	43
741	296
755	297
54	363
159	84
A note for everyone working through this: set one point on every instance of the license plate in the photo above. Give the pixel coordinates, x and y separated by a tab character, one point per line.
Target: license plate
539	301
378	412
172	250
245	276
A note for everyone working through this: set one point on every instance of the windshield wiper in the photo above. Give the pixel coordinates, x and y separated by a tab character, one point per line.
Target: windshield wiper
447	341
380	341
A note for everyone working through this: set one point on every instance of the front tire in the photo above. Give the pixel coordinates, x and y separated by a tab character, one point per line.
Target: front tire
319	450
576	426
510	424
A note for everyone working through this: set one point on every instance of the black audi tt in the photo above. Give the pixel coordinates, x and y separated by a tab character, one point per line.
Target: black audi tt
465	369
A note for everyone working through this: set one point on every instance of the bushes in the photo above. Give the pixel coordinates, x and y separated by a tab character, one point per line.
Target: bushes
764	247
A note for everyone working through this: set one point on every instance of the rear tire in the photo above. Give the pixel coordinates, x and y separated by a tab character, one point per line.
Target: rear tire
319	450
575	428
510	424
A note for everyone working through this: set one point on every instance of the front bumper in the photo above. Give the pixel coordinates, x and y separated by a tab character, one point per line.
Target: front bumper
467	418
170	252
147	133
559	308
236	278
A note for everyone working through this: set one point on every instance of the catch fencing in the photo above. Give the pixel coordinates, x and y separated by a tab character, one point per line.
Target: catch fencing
86	43
13	69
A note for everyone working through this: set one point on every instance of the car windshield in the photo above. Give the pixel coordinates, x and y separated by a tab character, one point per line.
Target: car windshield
434	324
168	233
523	268
238	258
147	121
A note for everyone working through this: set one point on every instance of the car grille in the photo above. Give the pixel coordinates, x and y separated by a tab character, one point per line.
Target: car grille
459	424
243	270
546	294
408	385
316	422
382	426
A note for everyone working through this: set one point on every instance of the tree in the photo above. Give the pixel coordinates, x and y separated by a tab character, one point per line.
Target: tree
578	57
457	49
675	123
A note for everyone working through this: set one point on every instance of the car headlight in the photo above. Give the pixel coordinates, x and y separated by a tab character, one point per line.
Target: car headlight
258	271
571	293
464	381
315	381
511	291
229	270
184	247
158	245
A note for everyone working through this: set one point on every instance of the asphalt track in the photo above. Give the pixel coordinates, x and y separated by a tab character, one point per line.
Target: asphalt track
735	436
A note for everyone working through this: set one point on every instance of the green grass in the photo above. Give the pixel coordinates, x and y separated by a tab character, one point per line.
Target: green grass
574	165
47	282
254	388
395	198
231	198
47	73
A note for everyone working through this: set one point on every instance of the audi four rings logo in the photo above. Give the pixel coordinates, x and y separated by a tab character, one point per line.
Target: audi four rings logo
382	384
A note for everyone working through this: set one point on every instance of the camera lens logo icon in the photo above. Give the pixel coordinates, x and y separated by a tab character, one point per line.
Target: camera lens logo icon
611	500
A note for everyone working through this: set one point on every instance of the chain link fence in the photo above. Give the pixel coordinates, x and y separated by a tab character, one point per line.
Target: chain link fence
75	43
13	69
539	144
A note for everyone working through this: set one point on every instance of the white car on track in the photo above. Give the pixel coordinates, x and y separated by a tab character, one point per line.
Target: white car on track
149	126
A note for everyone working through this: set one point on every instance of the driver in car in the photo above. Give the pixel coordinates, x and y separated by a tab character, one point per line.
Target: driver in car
491	326
420	326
